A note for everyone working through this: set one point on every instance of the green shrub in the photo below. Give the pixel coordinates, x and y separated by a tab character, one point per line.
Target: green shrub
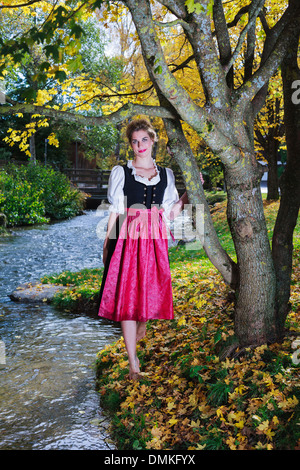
34	194
60	198
20	202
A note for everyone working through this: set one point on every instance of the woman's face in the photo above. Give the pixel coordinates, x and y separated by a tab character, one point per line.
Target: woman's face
141	144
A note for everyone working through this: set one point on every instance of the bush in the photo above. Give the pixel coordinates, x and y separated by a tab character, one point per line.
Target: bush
61	200
20	202
34	194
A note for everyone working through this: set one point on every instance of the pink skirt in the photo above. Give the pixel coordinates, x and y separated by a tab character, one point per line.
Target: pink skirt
138	283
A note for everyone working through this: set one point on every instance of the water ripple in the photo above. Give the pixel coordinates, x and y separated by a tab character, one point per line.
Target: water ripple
47	392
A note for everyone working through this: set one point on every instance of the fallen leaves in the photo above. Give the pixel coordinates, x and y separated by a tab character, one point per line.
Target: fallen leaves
188	397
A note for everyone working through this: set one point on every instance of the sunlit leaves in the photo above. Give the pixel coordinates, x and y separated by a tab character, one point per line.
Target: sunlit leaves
199	7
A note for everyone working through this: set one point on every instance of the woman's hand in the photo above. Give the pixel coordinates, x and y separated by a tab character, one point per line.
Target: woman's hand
105	250
178	206
111	221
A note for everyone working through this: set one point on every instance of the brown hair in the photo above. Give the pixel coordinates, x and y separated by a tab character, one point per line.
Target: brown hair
141	125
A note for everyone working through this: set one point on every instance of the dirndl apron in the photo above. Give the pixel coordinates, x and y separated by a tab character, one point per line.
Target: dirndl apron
136	282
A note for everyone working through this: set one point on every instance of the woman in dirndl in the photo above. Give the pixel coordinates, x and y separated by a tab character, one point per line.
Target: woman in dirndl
136	285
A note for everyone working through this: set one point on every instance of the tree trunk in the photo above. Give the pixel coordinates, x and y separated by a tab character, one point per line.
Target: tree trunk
32	149
255	295
188	165
290	189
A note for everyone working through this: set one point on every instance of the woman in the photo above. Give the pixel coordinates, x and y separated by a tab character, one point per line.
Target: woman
136	285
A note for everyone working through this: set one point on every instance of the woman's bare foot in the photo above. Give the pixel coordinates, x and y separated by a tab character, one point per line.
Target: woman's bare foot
135	370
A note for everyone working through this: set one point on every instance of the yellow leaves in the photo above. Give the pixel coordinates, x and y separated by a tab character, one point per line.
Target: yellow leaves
237	419
288	404
44	96
201	302
193	399
240	390
181	321
171	405
219	413
268	427
20	137
159	436
231	442
195	424
263	426
52	140
173	421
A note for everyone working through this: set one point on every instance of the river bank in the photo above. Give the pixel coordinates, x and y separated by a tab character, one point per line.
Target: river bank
187	397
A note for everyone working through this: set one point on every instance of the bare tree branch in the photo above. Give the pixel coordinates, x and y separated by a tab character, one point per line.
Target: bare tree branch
252	20
126	111
223	39
156	62
170	24
26	4
212	74
247	92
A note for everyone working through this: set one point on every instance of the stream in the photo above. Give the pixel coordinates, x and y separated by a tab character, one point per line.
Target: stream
48	399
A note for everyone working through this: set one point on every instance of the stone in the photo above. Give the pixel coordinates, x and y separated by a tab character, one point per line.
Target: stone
35	292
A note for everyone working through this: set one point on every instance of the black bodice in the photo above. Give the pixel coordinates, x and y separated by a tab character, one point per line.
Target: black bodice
139	193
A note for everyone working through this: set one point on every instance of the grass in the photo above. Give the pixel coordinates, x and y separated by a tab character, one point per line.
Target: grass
82	289
187	398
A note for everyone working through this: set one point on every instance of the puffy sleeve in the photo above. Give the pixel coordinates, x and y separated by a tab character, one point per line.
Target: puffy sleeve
115	193
171	193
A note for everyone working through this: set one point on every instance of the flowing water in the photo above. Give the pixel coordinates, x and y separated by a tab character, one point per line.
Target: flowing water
47	380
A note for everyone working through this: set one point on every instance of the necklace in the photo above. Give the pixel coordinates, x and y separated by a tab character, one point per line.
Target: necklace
146	170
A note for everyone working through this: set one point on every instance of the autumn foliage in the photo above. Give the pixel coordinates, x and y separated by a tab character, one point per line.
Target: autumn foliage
189	396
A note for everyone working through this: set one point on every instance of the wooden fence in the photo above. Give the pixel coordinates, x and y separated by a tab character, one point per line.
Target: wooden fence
95	182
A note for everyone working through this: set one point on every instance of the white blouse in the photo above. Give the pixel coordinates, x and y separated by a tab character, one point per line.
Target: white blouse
116	181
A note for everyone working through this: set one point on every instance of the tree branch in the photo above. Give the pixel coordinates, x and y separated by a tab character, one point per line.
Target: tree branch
26	4
250	48
212	74
223	39
251	88
251	22
170	24
183	64
272	36
274	33
238	16
175	7
156	63
126	111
